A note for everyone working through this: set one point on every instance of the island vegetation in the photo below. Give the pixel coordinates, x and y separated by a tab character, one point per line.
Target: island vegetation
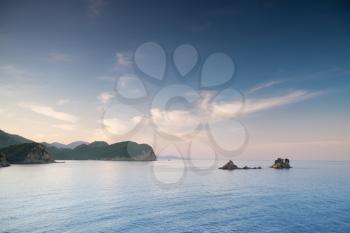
19	150
27	153
99	150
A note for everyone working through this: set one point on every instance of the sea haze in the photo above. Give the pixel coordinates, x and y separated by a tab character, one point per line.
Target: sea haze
106	196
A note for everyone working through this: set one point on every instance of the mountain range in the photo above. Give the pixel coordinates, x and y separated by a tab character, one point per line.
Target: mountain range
71	145
15	145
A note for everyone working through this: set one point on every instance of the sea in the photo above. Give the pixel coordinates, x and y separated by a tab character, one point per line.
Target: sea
175	196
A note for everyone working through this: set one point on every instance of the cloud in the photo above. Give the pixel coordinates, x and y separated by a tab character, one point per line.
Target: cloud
49	112
220	110
59	57
105	97
121	126
263	86
176	122
256	105
183	121
95	7
232	108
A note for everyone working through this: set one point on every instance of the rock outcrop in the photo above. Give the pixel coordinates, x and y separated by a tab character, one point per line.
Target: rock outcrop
27	153
38	154
246	167
231	166
3	161
281	164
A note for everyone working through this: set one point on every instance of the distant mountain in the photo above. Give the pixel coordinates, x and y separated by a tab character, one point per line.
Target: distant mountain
123	151
98	144
59	145
75	144
7	139
62	146
55	144
14	146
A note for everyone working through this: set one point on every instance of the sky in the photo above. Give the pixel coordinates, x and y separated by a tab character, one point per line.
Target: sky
265	78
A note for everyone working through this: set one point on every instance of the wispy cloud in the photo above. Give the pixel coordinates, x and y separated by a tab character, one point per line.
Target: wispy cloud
176	122
95	7
105	97
263	86
49	112
120	126
58	57
256	105
182	120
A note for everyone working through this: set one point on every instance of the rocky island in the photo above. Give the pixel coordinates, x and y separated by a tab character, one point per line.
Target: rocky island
27	153
281	164
231	166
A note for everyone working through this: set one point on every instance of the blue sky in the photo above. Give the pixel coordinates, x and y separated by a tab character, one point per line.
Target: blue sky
59	62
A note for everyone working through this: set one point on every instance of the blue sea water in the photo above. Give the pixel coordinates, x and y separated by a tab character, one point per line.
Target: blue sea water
101	196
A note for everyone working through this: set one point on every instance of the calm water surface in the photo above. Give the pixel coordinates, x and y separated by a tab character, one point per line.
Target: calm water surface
98	196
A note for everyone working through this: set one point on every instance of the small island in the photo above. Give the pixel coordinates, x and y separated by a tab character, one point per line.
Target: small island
231	166
281	164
